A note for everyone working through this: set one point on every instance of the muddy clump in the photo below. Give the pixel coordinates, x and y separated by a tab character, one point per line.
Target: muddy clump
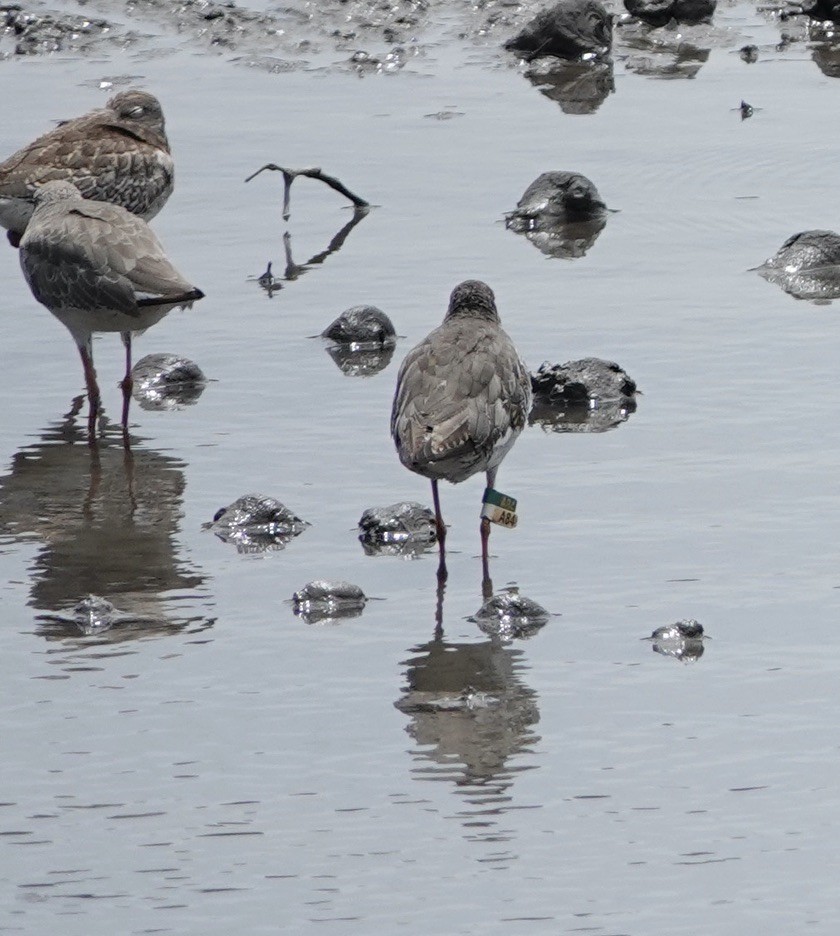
589	395
560	213
254	523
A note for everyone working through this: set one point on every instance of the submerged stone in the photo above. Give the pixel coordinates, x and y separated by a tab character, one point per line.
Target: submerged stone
167	381
93	614
570	29
588	395
581	382
403	529
509	615
807	266
555	198
561	213
682	640
323	600
254	523
362	326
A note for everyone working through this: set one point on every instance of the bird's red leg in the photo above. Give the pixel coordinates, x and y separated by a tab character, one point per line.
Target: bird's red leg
485	560
94	399
127	383
440	529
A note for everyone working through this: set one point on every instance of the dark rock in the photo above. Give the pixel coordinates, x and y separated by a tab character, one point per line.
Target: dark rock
807	266
554	198
254	523
749	54
570	29
509	615
821	10
406	521
167	381
561	213
363	326
323	600
589	395
659	12
582	382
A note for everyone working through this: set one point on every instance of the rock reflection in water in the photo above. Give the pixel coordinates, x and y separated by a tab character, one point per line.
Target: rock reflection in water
470	715
107	522
664	53
354	361
578	87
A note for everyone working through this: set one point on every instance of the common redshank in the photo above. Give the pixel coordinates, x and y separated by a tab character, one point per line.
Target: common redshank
462	398
97	267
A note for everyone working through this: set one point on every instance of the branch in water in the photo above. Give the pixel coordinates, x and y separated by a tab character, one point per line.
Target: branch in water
290	174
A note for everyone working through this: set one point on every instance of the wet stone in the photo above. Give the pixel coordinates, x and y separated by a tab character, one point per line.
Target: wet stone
660	12
588	395
509	615
682	640
561	213
92	615
554	198
807	266
362	326
167	381
254	523
322	600
403	529
570	29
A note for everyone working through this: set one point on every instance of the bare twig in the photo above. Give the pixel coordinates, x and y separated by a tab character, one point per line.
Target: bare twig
289	175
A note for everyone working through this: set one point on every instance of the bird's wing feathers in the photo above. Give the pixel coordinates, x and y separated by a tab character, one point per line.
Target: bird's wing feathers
459	392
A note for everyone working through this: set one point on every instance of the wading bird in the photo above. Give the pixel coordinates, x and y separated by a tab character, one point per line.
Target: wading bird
462	398
97	267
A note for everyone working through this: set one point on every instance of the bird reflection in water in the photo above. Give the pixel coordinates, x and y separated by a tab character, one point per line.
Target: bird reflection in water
106	518
471	717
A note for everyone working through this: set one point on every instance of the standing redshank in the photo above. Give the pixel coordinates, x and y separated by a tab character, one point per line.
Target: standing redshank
97	267
462	398
118	154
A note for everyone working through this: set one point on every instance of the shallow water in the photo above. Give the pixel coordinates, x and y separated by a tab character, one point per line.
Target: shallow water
218	763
